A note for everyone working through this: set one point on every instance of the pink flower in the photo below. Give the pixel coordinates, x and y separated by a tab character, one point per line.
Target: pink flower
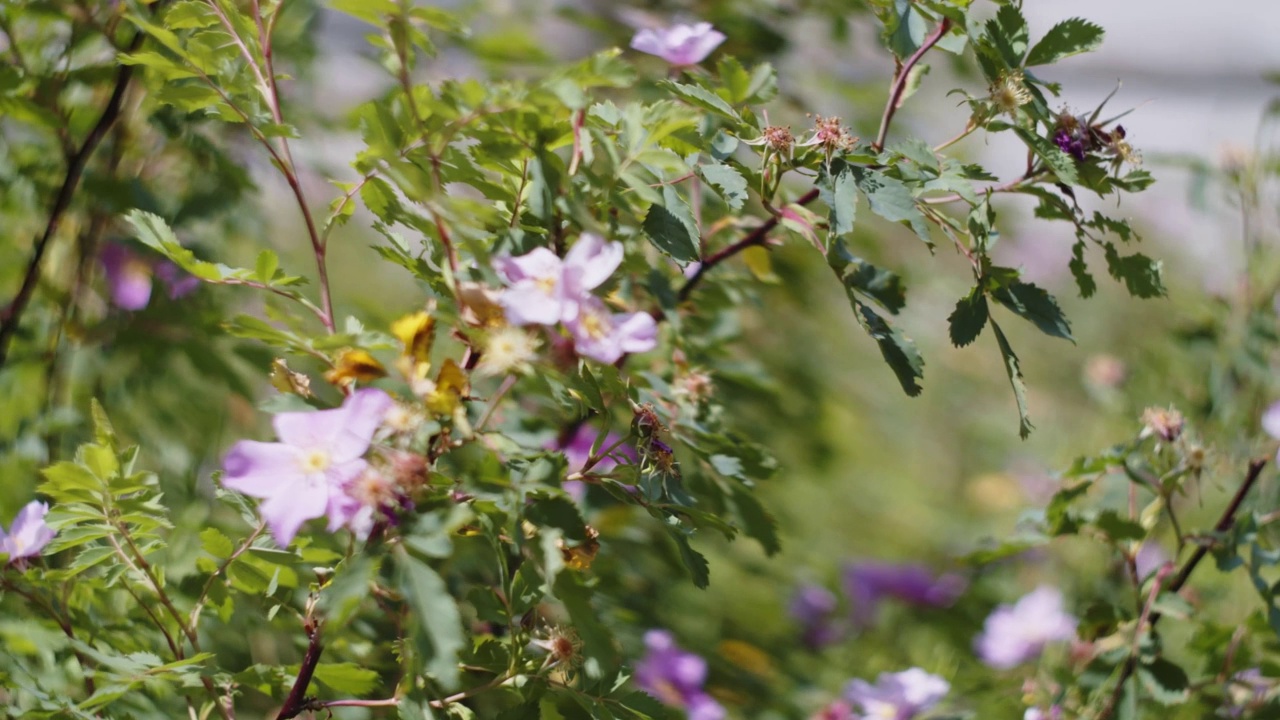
306	474
28	535
129	277
869	583
605	336
545	290
676	677
898	696
1014	634
680	45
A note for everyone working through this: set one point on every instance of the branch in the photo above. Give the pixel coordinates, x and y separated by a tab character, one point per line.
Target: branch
753	238
900	81
296	703
1224	524
11	316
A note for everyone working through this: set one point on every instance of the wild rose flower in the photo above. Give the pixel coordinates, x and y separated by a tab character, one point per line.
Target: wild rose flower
1010	92
1053	713
1247	690
305	475
680	45
814	607
129	277
676	677
545	290
28	535
1014	634
867	584
897	696
605	336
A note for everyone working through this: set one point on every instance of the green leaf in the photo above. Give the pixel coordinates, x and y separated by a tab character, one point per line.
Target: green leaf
216	544
1067	38
734	79
898	350
436	620
891	199
600	657
1119	528
969	318
702	98
1008	33
1035	305
1080	271
1141	275
1014	368
838	188
1166	682
764	84
346	678
1062	164
671	228
693	560
758	522
557	512
858	275
731	184
266	266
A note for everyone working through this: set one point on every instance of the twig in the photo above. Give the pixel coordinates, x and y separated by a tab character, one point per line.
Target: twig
11	316
296	703
900	81
755	237
1224	524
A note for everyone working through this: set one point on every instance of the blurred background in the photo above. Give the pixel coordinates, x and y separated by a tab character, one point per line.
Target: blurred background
866	473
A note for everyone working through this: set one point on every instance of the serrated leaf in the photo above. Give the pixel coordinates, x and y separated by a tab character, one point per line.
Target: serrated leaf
216	544
693	561
898	350
600	657
1080	271
702	98
1117	527
757	521
346	678
1008	32
838	188
1067	38
1141	275
1013	367
891	199
1062	164
266	266
671	228
858	275
1036	306
731	184
557	512
764	84
966	322
1166	682
436	619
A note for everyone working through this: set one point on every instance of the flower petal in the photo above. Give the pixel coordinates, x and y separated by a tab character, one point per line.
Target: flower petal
539	263
529	304
296	503
344	432
590	262
260	469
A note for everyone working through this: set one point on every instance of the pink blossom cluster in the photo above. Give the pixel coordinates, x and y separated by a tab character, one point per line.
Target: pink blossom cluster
544	289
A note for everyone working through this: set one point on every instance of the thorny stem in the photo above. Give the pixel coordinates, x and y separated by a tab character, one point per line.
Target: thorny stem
394	701
900	81
11	316
1225	523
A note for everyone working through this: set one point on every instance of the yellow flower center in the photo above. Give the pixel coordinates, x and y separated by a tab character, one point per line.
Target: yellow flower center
546	284
315	461
596	325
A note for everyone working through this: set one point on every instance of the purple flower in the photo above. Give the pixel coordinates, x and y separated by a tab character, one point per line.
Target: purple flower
897	696
675	677
604	336
1149	558
814	607
28	535
869	583
129	277
306	474
1247	690
1271	418
1034	713
545	290
1014	634
679	45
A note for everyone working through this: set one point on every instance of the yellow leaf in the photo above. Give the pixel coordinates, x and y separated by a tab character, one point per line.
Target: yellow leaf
414	331
451	387
288	381
760	264
580	556
355	364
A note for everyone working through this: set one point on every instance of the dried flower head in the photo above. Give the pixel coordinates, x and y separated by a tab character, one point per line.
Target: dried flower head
776	139
563	646
354	364
508	350
646	422
1010	92
1163	422
830	134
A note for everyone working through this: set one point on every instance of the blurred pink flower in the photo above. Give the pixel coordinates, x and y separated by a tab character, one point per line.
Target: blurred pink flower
545	290
1014	634
680	45
867	584
897	696
605	336
814	608
28	535
675	677
129	277
306	475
